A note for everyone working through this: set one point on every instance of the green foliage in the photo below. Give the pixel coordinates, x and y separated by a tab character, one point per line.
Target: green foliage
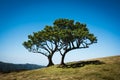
71	32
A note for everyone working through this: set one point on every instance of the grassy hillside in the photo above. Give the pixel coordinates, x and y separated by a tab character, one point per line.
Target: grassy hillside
109	70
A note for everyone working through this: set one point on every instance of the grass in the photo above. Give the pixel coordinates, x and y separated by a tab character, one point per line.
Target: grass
110	70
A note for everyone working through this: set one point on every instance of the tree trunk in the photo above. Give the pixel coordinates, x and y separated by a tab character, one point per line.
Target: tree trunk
62	60
50	62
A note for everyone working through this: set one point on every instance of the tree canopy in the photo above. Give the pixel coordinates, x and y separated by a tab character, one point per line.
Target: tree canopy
73	36
65	35
44	42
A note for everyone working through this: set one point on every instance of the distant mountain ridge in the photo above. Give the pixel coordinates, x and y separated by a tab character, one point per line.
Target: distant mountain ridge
10	67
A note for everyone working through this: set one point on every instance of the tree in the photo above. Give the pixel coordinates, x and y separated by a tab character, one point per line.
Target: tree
65	35
73	36
44	42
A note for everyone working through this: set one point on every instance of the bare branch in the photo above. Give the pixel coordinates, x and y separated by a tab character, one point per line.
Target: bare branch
51	45
48	46
43	54
43	47
60	52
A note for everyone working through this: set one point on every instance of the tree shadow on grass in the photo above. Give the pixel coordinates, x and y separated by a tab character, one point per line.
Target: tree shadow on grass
81	64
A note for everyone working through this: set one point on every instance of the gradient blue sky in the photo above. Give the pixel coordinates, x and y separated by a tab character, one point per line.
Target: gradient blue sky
18	18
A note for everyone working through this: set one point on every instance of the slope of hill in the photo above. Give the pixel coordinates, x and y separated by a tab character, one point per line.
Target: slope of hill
108	70
10	67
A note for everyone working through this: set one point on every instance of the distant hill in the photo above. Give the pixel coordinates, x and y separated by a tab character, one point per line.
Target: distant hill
107	68
10	67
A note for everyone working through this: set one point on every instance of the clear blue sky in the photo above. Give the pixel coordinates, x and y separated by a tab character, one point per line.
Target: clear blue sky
18	18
